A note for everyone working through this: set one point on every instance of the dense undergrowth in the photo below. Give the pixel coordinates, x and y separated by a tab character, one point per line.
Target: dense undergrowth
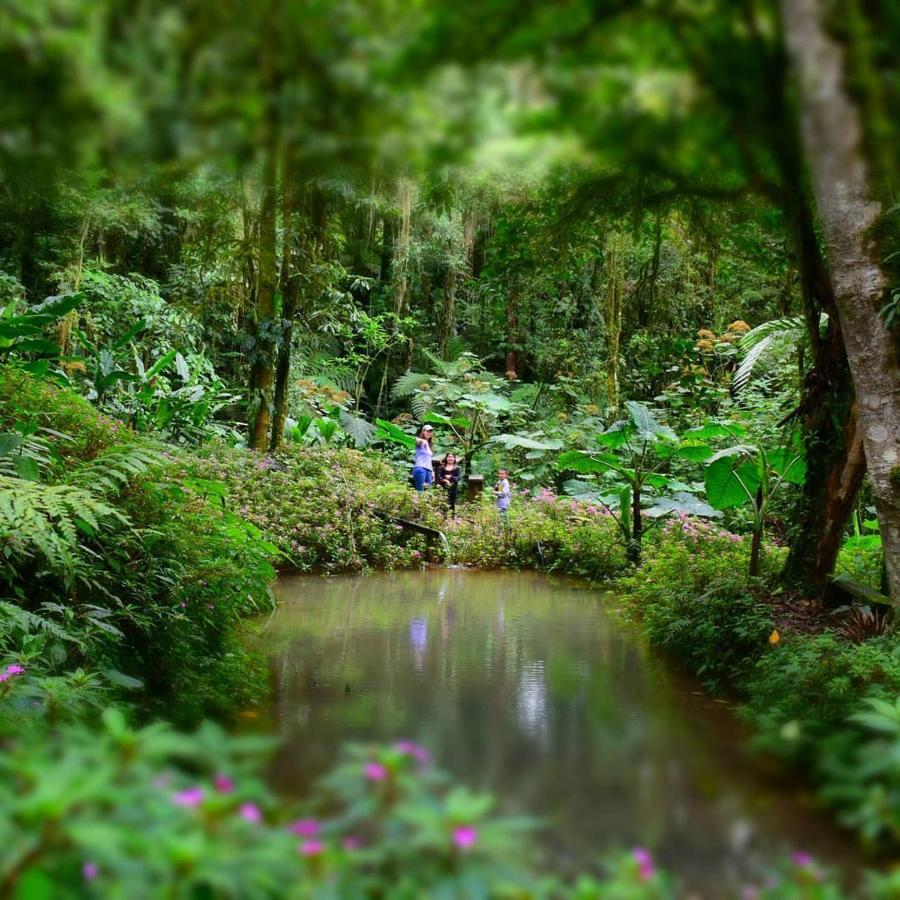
117	562
135	591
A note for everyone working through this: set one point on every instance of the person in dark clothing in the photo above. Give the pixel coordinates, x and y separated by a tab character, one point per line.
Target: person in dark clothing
447	476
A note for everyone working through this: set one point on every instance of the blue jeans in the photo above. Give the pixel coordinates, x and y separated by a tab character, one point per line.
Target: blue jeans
422	478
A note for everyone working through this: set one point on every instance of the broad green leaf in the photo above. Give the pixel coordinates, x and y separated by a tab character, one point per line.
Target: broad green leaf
711	430
9	441
36	345
682	503
579	461
388	431
789	464
731	483
616	436
695	452
182	368
326	427
27	468
57	305
163	362
516	440
648	426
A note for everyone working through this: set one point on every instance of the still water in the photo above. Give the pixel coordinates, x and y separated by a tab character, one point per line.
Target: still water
526	685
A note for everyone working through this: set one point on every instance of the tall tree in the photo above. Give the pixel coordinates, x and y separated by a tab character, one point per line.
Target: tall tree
832	129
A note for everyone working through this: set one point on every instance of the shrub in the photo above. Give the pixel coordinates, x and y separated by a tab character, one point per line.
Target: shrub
691	595
325	509
804	688
541	532
139	572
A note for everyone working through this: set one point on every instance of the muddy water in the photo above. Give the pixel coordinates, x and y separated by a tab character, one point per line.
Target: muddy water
528	686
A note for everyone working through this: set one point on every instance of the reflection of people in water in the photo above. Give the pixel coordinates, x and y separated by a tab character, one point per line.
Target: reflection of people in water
418	640
448	617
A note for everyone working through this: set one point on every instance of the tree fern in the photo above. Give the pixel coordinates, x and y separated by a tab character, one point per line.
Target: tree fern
109	471
772	339
408	384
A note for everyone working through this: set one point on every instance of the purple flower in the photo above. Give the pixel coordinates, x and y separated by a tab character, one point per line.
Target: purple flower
90	870
305	827
804	860
465	836
11	671
224	785
311	848
644	860
375	771
188	798
417	751
250	812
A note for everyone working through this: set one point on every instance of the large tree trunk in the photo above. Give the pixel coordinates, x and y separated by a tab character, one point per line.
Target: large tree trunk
512	330
289	297
835	459
263	355
615	295
832	134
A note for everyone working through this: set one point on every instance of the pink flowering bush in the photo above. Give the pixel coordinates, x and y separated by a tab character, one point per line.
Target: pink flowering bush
126	812
541	532
325	509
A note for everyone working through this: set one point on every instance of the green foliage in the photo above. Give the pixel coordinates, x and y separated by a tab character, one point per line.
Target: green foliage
114	548
46	520
117	810
691	596
862	772
326	509
638	449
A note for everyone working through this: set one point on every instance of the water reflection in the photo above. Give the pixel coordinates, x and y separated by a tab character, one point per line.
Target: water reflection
418	640
528	688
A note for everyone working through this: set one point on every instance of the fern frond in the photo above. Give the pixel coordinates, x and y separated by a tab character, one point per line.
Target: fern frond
362	432
771	338
410	382
421	404
109	471
45	520
443	367
14	617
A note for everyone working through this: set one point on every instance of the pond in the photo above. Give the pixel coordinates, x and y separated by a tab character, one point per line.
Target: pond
527	686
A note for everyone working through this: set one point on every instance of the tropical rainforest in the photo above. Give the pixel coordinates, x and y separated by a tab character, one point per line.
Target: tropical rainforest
641	256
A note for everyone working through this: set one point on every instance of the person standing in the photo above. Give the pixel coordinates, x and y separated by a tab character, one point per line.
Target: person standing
447	476
423	473
502	492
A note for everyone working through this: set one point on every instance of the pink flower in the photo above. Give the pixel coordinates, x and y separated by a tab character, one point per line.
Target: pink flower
804	860
11	671
188	798
90	870
464	836
311	848
414	750
224	785
351	843
305	827
375	771
250	812
644	860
